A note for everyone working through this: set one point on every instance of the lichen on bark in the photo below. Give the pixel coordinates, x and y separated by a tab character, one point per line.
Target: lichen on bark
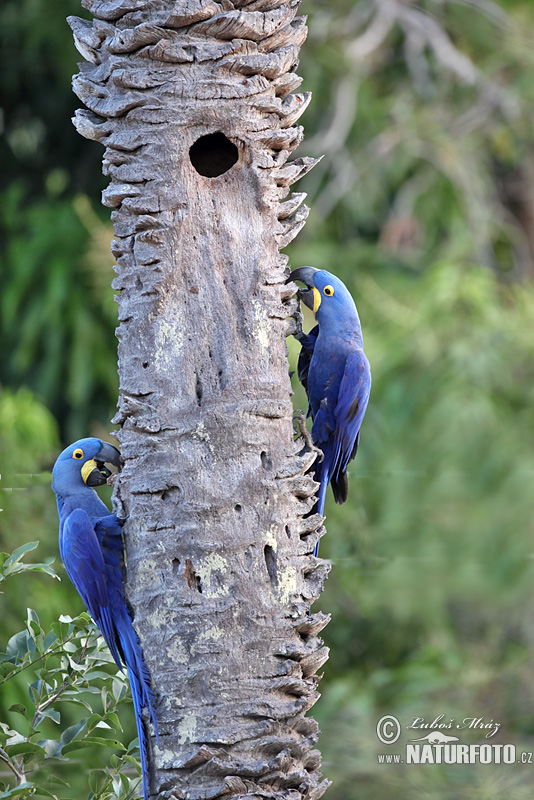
217	491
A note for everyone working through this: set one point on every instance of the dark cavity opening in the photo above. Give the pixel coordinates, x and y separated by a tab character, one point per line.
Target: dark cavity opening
172	494
213	155
193	580
199	391
266	461
270	563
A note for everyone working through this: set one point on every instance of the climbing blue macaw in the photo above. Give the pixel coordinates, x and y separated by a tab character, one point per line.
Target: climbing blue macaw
336	375
91	548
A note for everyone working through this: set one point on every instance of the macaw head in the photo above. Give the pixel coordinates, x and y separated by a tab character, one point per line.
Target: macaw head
83	464
326	296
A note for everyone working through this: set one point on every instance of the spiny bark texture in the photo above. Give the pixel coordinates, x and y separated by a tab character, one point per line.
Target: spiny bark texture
220	571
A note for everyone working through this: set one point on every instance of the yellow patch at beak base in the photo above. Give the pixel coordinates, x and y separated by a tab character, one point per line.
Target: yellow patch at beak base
87	468
316	299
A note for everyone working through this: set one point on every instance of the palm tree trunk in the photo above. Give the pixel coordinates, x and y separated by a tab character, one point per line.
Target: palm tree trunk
192	100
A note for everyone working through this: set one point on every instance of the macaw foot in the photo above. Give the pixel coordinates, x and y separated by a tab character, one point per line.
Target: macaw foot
300	427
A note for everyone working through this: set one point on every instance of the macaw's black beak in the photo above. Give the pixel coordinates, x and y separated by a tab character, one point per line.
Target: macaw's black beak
94	472
98	476
305	275
108	455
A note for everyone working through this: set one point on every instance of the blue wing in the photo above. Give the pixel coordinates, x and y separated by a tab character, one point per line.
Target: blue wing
109	532
349	412
337	422
84	561
93	556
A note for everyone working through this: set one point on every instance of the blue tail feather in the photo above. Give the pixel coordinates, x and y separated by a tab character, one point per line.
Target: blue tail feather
141	733
142	694
321	475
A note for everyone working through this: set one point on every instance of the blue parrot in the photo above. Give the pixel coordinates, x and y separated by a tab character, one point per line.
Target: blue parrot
336	375
91	548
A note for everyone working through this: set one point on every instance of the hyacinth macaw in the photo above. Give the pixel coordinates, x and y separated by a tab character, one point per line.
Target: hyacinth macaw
336	375
91	548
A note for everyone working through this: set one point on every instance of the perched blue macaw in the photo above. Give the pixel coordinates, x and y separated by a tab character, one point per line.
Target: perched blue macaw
336	375
91	547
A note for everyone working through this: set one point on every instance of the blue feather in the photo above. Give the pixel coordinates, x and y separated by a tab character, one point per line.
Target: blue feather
91	548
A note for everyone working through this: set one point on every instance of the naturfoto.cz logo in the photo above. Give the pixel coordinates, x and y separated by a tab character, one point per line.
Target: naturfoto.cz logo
437	747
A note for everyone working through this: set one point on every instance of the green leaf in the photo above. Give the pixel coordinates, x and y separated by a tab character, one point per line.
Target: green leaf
32	623
92	741
70	733
92	674
4	727
101	740
119	688
75	667
51	747
93	721
114	720
18	646
76	700
5	733
46	568
61	629
84	620
95	780
20	709
41	790
49	640
55	780
134	761
23	748
35	690
24	790
32	617
17	554
6	668
50	713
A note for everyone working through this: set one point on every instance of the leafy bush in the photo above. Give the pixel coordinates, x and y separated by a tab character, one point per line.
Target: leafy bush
65	670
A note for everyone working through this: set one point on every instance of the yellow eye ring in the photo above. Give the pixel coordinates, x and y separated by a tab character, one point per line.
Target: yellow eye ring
328	290
78	453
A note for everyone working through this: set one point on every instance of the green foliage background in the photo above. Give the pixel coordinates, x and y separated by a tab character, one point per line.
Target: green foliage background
424	205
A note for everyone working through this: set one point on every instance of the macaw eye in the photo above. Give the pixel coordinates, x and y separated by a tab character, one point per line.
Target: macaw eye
78	453
328	290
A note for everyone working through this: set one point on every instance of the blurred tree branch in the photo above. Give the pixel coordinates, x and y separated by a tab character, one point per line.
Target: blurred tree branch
438	95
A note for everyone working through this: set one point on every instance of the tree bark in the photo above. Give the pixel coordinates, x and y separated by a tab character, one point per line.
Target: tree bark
220	574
